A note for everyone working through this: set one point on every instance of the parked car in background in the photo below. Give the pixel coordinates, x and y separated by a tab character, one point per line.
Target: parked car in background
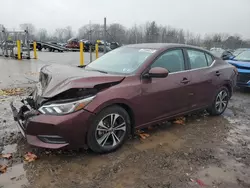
239	50
73	43
242	63
217	51
226	55
38	46
131	87
101	48
62	44
101	43
221	53
23	52
114	45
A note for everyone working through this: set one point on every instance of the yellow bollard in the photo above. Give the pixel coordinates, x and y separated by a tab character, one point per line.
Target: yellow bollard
18	42
34	46
81	54
96	51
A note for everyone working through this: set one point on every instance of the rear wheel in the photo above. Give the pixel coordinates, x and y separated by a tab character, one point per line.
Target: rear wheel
220	102
109	130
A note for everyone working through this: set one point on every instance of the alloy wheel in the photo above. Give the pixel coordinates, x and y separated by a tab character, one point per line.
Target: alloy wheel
221	101
111	130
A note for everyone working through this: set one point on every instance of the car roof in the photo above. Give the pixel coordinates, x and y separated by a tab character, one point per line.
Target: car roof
161	46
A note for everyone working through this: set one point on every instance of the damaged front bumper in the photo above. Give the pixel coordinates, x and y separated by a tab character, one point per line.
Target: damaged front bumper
51	131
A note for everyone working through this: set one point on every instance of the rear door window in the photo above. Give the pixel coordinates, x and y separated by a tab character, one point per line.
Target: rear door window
197	59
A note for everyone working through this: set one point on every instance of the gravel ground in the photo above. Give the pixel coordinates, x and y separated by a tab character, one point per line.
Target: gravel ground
205	152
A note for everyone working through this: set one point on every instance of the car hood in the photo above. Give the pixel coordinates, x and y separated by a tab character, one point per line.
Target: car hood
55	79
240	64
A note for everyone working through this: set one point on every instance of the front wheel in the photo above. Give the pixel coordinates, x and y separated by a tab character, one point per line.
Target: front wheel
109	130
220	102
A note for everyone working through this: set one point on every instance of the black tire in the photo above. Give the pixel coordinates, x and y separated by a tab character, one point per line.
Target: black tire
213	110
93	133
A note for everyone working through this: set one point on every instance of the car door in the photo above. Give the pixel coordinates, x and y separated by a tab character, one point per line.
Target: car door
204	78
165	97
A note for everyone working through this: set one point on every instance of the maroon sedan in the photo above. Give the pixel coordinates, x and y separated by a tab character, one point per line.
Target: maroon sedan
133	86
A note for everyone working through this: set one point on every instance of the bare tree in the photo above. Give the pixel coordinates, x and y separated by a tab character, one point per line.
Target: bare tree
31	27
42	35
68	33
148	32
181	36
59	34
117	32
152	32
83	32
135	34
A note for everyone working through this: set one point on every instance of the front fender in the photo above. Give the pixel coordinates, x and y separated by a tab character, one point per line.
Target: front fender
96	108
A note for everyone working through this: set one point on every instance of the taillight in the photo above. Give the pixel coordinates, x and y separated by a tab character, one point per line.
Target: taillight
235	70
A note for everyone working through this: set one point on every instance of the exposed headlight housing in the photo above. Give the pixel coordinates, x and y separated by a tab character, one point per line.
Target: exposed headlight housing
65	108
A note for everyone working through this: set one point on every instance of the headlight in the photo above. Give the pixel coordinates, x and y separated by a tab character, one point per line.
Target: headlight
65	108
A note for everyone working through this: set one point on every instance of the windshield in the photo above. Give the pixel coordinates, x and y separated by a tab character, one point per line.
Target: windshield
237	52
123	60
244	56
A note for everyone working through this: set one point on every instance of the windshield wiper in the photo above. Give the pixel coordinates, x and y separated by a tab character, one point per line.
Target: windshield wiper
101	71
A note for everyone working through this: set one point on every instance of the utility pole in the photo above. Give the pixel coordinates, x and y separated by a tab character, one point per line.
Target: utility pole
90	39
5	45
136	37
105	35
28	41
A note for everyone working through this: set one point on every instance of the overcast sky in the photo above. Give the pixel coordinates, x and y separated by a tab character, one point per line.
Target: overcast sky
198	16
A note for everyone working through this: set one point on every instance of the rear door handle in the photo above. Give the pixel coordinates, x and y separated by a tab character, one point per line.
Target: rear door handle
217	73
185	81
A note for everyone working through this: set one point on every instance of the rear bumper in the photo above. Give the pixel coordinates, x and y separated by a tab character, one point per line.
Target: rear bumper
50	131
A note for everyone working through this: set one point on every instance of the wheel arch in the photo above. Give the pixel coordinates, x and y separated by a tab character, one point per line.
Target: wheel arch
130	113
123	104
229	87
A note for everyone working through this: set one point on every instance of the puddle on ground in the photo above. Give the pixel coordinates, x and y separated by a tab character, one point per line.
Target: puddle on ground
214	174
12	148
228	113
239	129
230	116
15	177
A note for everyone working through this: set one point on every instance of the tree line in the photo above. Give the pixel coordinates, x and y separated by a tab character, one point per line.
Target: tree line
150	32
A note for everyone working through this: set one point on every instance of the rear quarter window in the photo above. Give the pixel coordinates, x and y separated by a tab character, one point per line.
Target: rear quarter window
210	59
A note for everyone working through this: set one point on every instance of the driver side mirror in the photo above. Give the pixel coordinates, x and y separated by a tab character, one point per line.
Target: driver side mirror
157	72
227	57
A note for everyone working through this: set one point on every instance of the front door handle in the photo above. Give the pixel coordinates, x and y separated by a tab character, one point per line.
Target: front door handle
185	81
217	73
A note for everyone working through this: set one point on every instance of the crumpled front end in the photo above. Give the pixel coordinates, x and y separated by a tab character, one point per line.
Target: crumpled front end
55	115
51	131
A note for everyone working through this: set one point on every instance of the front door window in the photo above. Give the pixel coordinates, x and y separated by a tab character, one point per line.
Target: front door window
172	60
